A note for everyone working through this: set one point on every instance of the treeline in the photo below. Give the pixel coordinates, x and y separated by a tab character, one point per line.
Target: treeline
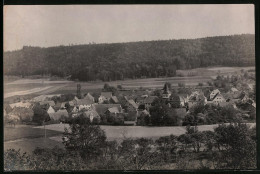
86	148
118	61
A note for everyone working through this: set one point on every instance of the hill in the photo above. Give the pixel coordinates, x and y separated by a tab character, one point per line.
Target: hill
118	61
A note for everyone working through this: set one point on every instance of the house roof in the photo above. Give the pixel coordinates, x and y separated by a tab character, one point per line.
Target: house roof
84	102
89	112
132	102
102	108
217	95
113	110
215	91
106	94
114	98
150	99
21	105
89	96
50	102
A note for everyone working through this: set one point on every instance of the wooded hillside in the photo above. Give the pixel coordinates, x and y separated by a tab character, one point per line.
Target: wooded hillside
131	60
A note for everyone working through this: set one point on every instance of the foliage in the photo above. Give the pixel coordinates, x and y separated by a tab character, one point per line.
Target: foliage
161	114
40	115
118	61
84	137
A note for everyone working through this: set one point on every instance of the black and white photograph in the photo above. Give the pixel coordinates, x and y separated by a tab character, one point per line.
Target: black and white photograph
129	87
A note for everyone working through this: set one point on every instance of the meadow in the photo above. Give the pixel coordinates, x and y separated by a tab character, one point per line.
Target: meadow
188	77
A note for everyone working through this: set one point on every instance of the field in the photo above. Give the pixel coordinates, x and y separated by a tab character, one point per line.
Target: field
44	86
120	132
26	138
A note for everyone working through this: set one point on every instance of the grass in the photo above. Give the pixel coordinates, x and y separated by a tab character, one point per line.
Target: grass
29	145
19	132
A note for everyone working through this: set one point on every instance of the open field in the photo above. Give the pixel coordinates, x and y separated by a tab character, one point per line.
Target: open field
27	138
39	86
26	131
28	145
119	132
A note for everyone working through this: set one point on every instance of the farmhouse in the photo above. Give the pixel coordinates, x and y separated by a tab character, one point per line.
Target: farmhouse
114	100
92	114
214	93
59	114
21	105
89	97
49	103
131	106
148	101
218	99
105	96
102	108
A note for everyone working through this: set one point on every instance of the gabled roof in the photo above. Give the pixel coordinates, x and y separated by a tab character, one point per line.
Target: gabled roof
132	102
106	94
89	96
102	108
150	99
215	91
91	112
114	98
217	95
113	110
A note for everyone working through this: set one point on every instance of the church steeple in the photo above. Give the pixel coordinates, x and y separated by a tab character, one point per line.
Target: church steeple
166	92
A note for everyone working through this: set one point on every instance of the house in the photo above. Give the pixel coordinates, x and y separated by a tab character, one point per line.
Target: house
102	108
218	99
254	105
114	100
131	106
59	114
148	101
213	94
21	105
105	96
44	97
89	97
84	103
92	114
49	103
63	105
50	110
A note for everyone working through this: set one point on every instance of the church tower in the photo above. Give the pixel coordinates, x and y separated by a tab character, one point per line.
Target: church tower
166	93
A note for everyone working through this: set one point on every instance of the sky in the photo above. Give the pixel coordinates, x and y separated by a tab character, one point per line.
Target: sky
49	25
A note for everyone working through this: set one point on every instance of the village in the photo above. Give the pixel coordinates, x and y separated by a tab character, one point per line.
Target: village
122	106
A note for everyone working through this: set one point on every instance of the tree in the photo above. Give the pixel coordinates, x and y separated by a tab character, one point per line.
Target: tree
40	115
161	114
84	137
175	101
239	147
168	147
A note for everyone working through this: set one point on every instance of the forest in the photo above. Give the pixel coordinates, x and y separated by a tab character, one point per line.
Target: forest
119	61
